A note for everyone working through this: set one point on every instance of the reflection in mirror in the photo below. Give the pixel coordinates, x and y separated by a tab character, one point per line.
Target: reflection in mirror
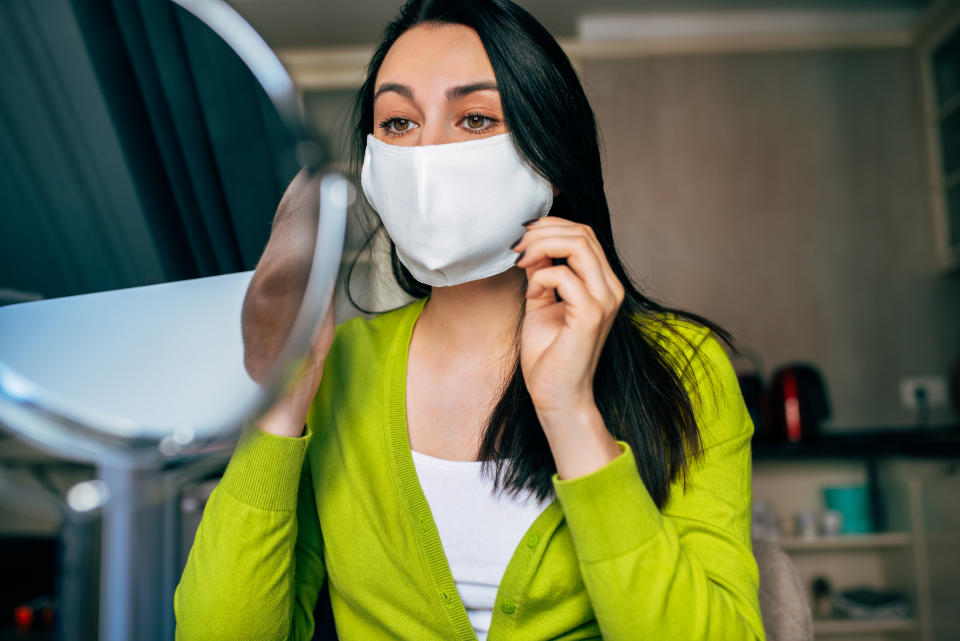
274	295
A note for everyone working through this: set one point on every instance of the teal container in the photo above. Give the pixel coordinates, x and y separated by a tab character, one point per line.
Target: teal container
853	502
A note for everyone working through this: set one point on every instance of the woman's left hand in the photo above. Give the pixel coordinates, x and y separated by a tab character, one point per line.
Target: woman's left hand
560	342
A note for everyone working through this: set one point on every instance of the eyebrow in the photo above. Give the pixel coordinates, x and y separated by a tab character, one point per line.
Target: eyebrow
452	93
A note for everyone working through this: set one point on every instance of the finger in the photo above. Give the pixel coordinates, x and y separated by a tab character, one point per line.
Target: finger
549	220
556	223
547	297
542	232
573	231
580	256
578	300
552	225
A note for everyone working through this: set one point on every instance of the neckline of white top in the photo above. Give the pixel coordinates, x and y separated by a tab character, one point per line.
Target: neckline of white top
446	464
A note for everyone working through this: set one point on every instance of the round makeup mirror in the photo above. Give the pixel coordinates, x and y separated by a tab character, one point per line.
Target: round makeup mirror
148	373
147	151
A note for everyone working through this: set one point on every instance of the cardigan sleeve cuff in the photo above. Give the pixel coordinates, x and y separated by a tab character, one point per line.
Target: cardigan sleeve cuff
609	511
264	470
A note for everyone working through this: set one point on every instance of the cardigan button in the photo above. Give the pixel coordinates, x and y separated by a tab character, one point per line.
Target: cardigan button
508	608
532	540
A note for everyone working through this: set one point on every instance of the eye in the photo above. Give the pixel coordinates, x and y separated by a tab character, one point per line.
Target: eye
478	123
397	126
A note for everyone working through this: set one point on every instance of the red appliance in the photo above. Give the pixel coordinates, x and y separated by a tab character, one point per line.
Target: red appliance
798	404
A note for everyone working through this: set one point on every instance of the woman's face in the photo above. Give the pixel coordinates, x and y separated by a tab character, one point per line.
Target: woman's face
436	86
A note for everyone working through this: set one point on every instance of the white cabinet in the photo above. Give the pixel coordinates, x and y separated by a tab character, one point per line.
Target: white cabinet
918	554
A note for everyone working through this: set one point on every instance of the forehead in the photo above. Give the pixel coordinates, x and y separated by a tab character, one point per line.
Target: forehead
436	56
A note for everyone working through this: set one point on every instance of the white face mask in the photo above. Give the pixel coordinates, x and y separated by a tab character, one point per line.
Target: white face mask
454	210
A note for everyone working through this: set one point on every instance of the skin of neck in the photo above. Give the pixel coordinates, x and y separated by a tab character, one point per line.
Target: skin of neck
475	321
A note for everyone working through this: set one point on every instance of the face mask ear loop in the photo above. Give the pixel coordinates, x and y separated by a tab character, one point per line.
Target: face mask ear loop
353	263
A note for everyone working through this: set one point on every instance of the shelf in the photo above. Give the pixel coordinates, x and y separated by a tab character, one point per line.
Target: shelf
847	542
857	626
932	442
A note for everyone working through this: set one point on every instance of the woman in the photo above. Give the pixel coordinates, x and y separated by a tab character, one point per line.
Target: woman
532	449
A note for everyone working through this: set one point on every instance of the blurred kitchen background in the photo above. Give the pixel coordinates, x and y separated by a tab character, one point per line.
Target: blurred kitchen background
788	169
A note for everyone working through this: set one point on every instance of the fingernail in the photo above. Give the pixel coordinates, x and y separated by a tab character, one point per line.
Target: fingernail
520	257
530	222
516	242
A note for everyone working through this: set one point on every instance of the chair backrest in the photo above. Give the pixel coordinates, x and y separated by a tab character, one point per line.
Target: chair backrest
783	599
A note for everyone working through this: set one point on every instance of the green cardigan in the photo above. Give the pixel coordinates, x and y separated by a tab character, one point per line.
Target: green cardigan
343	503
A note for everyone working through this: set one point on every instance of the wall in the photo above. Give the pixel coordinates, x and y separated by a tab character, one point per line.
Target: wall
784	195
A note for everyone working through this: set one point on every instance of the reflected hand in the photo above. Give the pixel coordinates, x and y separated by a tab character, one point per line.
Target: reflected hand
273	301
288	416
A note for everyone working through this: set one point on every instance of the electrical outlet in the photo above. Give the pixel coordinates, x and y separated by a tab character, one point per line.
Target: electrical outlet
934	388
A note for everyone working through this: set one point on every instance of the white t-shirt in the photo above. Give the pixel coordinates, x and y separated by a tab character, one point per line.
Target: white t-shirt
479	530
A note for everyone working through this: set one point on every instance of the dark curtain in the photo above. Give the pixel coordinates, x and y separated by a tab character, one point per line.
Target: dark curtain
135	148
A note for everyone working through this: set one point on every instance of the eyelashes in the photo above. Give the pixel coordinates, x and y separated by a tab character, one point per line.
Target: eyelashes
388	126
491	122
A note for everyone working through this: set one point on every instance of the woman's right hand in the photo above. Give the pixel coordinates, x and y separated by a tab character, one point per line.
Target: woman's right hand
288	415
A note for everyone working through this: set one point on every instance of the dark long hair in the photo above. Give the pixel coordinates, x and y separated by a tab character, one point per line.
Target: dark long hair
638	386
